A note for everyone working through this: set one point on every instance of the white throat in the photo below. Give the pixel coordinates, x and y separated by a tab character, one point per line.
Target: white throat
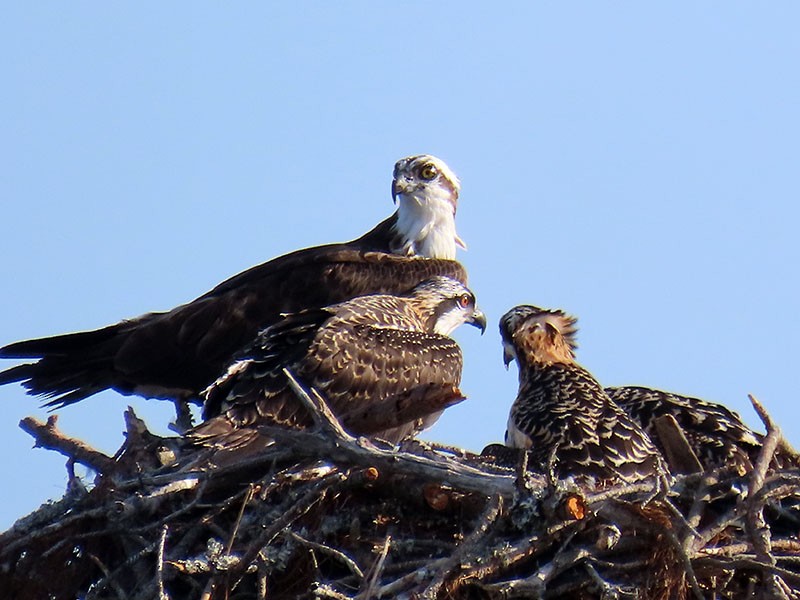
448	322
426	223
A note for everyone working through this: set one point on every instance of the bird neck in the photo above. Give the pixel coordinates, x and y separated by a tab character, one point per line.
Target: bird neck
426	227
423	227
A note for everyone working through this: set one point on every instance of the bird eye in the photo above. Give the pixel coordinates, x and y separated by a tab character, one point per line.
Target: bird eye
428	171
464	300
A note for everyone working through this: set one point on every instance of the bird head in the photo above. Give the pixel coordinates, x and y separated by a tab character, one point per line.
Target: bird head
444	304
426	192
535	334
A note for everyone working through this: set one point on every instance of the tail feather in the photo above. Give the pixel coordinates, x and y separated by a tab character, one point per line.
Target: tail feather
68	344
63	382
69	368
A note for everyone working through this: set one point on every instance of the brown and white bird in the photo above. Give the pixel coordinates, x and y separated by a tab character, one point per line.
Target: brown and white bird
561	411
717	435
356	354
176	354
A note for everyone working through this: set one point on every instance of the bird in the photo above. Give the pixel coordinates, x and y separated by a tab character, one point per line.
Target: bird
174	355
561	415
356	354
717	435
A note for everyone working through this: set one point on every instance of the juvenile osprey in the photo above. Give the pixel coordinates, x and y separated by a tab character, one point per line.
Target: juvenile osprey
355	353
562	411
716	434
176	354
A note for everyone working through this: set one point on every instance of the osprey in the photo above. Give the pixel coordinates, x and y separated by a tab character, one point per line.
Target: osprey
356	353
561	412
176	354
716	434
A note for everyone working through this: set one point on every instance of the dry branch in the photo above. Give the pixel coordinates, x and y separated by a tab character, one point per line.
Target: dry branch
323	514
49	437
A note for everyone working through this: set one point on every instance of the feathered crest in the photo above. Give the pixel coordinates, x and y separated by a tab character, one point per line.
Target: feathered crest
555	321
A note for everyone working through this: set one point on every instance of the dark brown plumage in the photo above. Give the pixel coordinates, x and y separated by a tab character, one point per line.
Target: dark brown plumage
716	434
355	353
176	354
562	411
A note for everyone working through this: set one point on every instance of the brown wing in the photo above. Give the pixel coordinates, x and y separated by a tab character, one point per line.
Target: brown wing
180	352
563	408
717	435
351	364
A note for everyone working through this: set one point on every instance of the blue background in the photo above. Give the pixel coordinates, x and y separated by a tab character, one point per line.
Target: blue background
633	164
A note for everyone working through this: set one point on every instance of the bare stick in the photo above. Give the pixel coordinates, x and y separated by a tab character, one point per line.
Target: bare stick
465	548
375	571
49	437
322	548
162	594
107	577
248	495
392	589
679	454
302	506
316	405
755	524
362	453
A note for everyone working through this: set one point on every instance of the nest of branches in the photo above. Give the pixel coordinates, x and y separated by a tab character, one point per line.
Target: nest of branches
322	514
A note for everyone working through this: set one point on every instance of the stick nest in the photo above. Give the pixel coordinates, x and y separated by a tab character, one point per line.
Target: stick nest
321	514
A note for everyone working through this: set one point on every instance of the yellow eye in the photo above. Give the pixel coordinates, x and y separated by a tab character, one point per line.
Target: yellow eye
428	171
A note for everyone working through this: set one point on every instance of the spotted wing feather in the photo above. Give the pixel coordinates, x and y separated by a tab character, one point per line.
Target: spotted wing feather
561	407
180	352
367	350
717	434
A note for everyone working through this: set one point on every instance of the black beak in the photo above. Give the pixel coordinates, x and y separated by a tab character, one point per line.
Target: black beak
478	320
400	185
508	356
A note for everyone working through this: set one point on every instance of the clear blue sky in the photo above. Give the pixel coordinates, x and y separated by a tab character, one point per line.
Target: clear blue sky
635	166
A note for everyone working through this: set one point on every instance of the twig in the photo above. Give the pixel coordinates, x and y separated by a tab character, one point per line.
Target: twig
316	405
465	548
326	591
699	502
49	437
362	453
313	495
756	526
770	444
341	556
162	594
423	573
107	577
375	571
248	495
679	454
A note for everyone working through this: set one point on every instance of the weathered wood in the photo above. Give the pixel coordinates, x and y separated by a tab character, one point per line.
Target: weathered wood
322	513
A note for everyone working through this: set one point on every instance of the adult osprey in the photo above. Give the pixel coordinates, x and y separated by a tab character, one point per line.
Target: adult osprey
176	354
356	353
561	411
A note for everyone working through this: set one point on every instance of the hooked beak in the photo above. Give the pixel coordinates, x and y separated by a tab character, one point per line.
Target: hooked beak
400	186
478	320
508	355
